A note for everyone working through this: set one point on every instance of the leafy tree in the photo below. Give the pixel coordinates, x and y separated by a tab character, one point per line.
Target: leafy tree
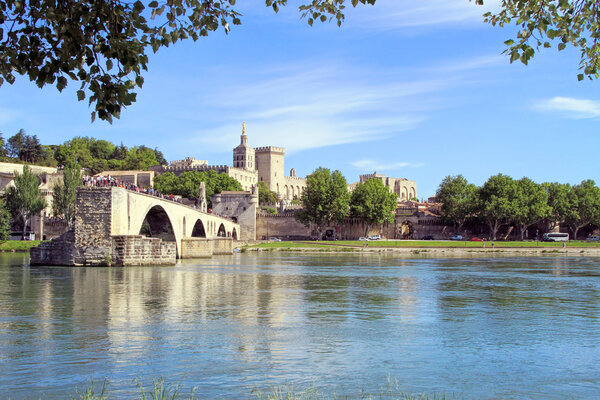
325	199
497	202
64	193
160	158
587	206
74	151
373	203
14	147
120	152
25	199
101	149
531	205
140	158
458	198
266	196
104	45
562	201
2	146
540	22
32	150
4	222
188	184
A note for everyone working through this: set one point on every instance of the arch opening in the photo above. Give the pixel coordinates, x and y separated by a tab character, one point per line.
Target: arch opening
198	230
157	224
222	232
234	234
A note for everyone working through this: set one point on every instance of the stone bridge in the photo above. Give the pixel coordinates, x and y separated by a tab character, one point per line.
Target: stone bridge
116	226
134	213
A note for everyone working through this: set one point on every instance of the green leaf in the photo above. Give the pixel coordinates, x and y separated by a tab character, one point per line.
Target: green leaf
61	82
80	95
153	4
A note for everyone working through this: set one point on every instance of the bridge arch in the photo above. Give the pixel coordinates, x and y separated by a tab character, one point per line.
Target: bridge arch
157	223
222	232
234	234
198	230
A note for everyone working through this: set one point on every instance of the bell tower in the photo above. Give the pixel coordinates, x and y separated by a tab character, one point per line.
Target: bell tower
243	155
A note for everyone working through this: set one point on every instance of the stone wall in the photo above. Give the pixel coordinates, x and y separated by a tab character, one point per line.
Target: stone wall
285	227
202	248
59	251
196	248
222	246
241	206
93	242
282	226
140	250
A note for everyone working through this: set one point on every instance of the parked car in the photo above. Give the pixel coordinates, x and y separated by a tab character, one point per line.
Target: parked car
456	237
427	237
274	239
476	239
375	237
363	239
593	238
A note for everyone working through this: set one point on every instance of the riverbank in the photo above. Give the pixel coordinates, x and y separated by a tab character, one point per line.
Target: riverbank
17	246
432	247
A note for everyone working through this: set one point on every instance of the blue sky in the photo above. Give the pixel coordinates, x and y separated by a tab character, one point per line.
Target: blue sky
411	89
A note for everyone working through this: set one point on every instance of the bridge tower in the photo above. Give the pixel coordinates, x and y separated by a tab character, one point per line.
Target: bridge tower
243	155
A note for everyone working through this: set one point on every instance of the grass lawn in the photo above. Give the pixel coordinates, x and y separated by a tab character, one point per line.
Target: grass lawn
18	245
421	244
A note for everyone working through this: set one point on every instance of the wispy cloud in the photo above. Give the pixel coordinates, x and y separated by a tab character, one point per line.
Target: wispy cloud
397	14
570	107
313	107
372	165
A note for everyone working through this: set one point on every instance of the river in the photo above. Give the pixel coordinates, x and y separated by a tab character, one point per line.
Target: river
475	328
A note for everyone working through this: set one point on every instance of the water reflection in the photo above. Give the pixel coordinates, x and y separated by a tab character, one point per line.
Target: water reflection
486	328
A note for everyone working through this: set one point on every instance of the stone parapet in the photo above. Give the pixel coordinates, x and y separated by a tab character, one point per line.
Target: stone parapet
271	149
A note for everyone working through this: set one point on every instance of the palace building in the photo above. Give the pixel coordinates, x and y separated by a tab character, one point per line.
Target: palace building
250	166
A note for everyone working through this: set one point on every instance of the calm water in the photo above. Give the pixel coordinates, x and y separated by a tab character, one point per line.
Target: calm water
477	328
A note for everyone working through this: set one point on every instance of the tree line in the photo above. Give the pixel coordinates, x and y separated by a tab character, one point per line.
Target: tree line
326	200
94	155
522	203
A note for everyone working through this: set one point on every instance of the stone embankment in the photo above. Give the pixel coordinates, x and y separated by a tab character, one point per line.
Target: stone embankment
438	251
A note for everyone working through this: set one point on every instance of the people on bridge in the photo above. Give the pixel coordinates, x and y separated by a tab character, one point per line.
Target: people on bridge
109	181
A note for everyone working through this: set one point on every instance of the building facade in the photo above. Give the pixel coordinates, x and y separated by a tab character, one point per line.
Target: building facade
405	189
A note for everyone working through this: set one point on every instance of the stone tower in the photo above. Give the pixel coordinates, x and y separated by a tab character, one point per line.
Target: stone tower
243	155
269	163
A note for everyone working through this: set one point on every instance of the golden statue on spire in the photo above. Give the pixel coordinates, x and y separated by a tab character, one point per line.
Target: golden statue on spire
243	128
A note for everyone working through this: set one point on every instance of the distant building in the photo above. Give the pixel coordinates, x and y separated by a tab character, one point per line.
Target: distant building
250	166
405	189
